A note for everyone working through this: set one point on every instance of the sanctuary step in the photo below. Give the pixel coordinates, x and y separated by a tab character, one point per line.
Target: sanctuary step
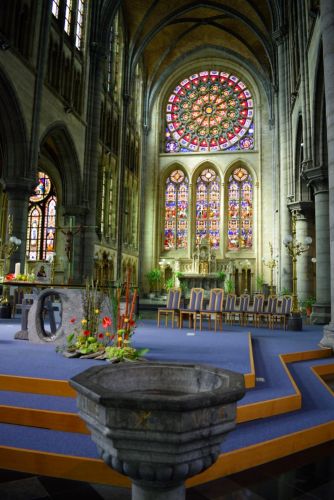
289	408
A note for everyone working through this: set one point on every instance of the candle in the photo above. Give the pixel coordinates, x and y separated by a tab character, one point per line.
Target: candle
17	268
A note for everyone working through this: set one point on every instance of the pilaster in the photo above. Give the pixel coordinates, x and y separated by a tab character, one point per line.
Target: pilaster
327	30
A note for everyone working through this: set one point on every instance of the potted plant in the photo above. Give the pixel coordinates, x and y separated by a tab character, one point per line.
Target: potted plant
259	282
229	285
307	304
221	275
154	278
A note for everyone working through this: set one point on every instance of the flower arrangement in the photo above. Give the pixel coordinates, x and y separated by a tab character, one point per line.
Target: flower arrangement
102	336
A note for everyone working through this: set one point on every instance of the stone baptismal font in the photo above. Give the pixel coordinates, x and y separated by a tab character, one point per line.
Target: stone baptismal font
158	423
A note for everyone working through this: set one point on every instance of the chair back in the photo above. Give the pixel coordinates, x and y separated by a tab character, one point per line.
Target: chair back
216	299
286	304
244	302
196	299
230	302
173	298
258	303
272	304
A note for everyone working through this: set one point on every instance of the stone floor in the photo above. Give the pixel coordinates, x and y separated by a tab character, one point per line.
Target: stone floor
306	475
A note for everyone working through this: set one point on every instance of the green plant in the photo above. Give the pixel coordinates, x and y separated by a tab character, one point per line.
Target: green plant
260	281
221	275
154	278
229	285
170	283
285	291
307	304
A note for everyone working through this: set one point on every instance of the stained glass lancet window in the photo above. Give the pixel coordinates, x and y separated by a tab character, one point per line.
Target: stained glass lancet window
210	111
41	234
240	210
208	207
176	210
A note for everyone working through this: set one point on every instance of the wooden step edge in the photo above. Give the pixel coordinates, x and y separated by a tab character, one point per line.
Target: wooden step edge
96	471
323	372
36	386
59	465
46	419
261	453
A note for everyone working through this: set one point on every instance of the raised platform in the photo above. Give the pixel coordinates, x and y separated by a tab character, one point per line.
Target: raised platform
288	407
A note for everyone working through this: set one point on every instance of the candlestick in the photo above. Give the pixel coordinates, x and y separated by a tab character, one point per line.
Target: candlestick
17	269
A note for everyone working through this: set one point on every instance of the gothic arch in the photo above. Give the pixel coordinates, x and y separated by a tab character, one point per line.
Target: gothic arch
58	146
13	135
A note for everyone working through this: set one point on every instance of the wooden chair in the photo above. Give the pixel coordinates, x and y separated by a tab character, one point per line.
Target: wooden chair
229	306
264	317
214	308
282	314
194	307
172	306
254	311
241	309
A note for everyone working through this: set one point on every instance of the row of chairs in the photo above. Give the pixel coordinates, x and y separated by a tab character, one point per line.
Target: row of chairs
231	310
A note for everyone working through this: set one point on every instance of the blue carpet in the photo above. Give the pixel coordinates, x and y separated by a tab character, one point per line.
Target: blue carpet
228	349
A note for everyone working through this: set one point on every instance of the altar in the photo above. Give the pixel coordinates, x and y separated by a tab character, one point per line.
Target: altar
206	281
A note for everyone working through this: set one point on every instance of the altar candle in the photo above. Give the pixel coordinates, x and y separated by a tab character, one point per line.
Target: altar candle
17	268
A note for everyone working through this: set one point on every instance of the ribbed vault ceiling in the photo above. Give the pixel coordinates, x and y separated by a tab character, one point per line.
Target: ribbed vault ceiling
165	32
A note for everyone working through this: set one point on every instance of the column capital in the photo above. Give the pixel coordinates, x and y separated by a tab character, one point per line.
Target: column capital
280	35
316	177
301	209
19	189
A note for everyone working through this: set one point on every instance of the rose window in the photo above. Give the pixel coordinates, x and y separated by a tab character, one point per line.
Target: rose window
210	111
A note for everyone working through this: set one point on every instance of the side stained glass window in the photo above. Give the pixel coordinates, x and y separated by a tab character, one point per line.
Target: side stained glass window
176	210
208	207
210	111
41	234
240	210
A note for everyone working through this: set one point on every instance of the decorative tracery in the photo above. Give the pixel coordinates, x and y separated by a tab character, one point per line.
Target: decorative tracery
41	232
208	207
240	210
176	211
210	111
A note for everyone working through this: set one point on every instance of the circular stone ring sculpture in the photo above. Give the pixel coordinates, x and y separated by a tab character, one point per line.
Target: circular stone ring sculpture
158	423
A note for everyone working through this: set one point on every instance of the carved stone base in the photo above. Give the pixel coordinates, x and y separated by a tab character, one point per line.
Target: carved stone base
295	322
328	338
321	314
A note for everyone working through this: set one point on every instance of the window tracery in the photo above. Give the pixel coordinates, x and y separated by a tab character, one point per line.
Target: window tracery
176	210
210	111
41	233
240	210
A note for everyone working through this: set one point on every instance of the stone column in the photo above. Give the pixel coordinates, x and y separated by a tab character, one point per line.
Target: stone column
327	30
282	127
92	152
18	201
304	284
121	177
317	178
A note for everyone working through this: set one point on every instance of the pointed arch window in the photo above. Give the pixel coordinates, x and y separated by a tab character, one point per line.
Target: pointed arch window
176	210
208	207
41	234
240	210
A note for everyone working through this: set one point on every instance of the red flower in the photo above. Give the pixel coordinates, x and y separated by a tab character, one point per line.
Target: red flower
10	276
86	333
73	320
106	321
132	322
100	335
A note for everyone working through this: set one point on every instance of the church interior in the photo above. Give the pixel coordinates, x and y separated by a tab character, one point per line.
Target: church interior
172	147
